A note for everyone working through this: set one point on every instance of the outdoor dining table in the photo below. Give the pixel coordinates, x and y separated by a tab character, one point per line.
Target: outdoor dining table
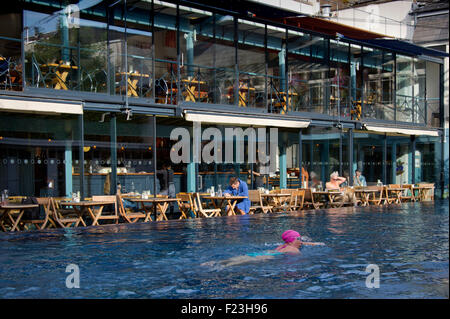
159	205
279	199
422	191
7	212
224	201
365	195
60	72
86	208
330	195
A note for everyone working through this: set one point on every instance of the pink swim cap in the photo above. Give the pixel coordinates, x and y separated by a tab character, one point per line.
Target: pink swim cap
289	236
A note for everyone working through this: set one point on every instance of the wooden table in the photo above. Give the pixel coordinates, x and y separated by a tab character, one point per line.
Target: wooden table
331	197
397	191
133	79
190	86
87	209
8	211
61	72
278	199
423	190
365	195
282	104
229	201
160	206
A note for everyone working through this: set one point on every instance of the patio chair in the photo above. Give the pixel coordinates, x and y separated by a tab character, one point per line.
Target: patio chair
128	215
390	198
64	217
40	223
297	199
375	198
114	216
203	212
186	205
289	191
256	203
408	193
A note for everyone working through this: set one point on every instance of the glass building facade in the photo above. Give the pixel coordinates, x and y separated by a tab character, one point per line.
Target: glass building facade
136	67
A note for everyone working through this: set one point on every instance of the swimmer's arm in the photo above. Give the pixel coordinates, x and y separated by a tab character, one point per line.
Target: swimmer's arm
313	244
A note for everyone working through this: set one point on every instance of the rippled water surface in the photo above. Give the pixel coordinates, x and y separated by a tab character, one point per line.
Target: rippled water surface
408	242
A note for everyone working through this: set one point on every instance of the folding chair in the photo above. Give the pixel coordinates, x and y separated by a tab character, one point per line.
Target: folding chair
256	202
297	199
99	216
41	223
64	217
186	205
202	212
375	198
129	216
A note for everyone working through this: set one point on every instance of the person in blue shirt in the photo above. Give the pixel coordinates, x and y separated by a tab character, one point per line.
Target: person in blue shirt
238	187
359	180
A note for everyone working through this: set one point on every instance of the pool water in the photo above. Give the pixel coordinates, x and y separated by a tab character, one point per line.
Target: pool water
408	242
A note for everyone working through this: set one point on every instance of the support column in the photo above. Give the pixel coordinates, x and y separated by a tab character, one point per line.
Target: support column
412	156
352	165
282	68
190	53
113	137
68	168
394	162
283	167
65	53
384	176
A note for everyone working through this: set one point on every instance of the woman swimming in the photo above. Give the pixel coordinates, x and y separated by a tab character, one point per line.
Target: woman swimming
292	243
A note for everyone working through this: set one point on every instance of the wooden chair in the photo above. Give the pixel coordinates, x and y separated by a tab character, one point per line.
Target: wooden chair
375	198
389	197
289	191
64	217
114	216
128	215
308	200
203	212
297	199
41	223
426	194
256	202
186	205
408	193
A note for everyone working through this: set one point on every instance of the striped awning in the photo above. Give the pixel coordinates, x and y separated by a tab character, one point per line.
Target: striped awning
235	119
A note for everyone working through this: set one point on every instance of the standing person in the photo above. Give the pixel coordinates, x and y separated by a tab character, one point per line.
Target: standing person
167	186
238	187
305	177
359	179
258	175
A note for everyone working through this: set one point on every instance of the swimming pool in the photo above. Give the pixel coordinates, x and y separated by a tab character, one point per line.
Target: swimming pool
408	242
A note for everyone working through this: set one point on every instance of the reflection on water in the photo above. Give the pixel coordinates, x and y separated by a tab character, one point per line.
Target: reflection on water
408	242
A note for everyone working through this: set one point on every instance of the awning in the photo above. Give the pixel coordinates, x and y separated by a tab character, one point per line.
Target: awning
222	119
384	129
31	106
402	46
329	27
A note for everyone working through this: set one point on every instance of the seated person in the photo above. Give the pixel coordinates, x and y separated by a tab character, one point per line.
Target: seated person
334	184
359	179
238	187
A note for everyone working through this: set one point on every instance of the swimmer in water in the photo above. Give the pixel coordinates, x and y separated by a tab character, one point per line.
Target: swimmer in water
293	242
292	245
